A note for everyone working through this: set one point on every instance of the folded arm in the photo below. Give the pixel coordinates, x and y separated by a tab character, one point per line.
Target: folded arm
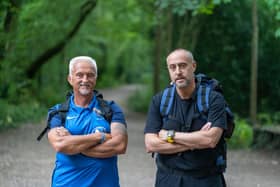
207	137
62	141
114	146
156	144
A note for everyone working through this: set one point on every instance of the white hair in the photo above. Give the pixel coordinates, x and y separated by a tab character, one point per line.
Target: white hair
79	59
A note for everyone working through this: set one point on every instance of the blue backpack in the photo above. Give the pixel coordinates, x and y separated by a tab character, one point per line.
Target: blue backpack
204	87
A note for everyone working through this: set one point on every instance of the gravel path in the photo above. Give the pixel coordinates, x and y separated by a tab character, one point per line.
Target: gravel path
24	162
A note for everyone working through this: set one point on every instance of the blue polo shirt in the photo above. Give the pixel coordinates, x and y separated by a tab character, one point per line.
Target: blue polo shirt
81	170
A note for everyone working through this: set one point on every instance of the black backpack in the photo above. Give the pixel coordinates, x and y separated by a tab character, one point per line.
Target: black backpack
105	111
204	87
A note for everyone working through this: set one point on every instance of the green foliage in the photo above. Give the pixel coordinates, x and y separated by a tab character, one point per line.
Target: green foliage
269	119
274	5
197	7
121	37
40	25
242	136
276	118
117	39
14	115
143	96
264	119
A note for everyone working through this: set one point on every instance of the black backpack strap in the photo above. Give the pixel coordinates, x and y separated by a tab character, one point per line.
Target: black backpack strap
106	110
61	111
50	116
230	122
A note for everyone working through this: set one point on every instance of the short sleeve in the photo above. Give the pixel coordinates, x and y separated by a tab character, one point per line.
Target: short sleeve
154	120
53	117
217	112
118	115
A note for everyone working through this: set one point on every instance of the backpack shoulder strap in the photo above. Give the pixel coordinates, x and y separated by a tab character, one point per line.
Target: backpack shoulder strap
203	92
203	98
167	99
204	86
50	116
61	111
106	110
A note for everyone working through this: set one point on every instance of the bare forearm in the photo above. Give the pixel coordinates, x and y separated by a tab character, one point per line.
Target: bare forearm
199	139
168	148
114	146
62	141
155	144
196	140
74	144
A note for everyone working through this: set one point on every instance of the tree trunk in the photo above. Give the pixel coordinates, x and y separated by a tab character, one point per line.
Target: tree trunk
190	30
254	64
10	19
169	40
86	8
158	53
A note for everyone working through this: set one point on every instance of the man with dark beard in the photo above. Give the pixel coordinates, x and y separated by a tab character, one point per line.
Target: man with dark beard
185	157
87	144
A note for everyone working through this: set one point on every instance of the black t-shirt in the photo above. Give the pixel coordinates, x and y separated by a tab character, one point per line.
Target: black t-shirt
188	160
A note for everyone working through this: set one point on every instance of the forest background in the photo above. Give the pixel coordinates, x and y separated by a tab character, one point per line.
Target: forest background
237	42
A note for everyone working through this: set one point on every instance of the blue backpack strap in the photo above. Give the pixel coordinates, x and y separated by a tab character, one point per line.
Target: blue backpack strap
204	85
203	93
166	100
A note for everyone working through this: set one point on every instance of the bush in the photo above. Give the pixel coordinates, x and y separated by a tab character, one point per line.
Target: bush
276	118
140	100
265	119
14	115
242	136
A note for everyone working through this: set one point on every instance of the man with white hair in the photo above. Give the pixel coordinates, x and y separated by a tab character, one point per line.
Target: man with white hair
87	144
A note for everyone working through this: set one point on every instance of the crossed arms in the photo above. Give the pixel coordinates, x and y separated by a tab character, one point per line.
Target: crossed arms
206	137
115	143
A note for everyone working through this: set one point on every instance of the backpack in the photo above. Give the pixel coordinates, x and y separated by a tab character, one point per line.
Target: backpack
105	111
204	87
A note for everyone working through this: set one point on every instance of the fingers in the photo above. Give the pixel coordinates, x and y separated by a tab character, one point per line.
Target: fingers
61	131
108	136
206	127
162	134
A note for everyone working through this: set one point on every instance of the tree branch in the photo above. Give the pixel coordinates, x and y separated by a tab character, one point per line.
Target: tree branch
86	8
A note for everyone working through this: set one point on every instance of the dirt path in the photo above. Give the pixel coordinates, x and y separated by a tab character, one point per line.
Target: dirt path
24	162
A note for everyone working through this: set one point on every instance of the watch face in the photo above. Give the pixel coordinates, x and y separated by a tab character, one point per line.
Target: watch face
171	133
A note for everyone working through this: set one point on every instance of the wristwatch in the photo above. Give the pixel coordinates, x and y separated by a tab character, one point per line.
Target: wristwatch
170	136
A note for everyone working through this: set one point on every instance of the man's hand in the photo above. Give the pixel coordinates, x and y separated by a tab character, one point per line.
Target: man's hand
163	134
206	127
61	131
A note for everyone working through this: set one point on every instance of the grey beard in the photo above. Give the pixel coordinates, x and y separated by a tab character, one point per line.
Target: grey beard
187	83
84	91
